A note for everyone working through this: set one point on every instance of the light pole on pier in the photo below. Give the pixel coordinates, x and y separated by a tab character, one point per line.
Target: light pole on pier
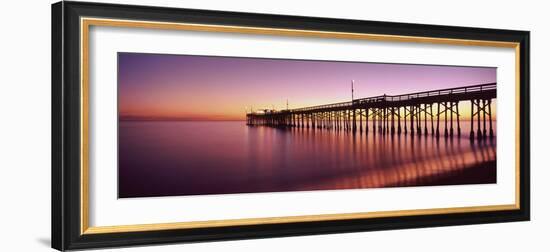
352	81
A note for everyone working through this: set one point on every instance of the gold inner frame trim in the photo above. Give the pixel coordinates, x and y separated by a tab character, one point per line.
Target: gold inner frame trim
85	24
288	219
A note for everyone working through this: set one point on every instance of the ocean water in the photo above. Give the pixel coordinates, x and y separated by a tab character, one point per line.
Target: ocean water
168	158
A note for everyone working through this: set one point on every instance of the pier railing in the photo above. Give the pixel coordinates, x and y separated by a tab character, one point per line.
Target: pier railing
459	92
434	93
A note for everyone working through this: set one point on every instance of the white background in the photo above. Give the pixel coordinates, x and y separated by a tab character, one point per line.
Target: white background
25	126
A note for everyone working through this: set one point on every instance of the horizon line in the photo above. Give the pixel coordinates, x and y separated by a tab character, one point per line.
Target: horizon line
179	119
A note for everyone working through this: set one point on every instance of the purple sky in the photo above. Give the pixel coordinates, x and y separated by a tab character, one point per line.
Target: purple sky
220	88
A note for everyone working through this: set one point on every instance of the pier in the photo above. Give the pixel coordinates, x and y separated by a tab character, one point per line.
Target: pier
434	112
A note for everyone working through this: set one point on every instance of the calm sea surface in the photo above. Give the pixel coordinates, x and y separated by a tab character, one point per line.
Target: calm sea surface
192	158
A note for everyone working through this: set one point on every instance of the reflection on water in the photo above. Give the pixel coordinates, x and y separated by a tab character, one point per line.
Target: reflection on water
194	158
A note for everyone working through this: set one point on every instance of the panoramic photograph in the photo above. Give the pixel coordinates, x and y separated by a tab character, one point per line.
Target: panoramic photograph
205	125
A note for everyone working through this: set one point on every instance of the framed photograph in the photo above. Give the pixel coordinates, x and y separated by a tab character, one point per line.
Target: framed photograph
181	125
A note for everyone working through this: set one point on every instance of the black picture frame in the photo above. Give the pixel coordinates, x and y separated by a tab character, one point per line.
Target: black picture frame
66	114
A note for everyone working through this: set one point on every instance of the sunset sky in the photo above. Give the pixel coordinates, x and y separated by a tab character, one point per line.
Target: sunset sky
158	86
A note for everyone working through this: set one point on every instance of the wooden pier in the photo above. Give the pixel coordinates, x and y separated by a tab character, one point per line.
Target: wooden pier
434	112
